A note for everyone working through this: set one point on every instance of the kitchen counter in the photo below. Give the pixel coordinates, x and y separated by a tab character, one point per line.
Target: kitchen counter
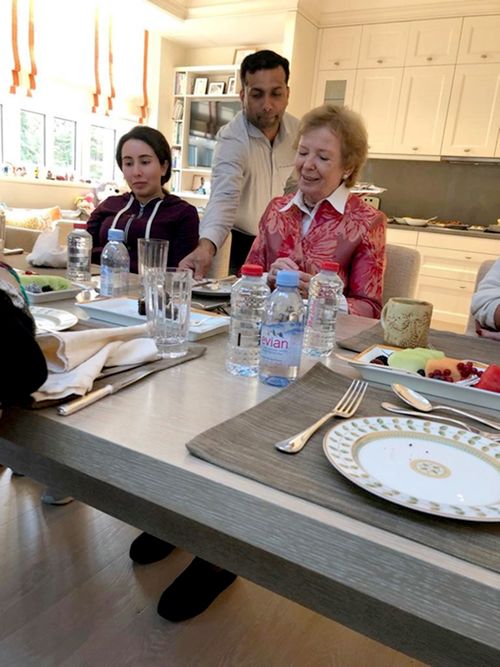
444	230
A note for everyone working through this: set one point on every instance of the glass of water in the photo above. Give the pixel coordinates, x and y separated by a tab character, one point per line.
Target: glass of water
168	304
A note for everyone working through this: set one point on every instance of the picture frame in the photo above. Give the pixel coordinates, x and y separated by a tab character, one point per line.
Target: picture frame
198	185
216	88
231	86
241	54
200	86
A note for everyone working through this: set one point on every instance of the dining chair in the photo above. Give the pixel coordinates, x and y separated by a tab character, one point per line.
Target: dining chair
401	272
484	267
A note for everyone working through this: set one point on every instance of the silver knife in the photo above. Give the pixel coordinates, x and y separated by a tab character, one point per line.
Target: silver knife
114	386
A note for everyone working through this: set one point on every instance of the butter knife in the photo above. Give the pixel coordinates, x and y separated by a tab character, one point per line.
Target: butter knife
115	385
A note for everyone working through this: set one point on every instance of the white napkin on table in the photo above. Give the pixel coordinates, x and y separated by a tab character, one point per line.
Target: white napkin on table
47	251
76	358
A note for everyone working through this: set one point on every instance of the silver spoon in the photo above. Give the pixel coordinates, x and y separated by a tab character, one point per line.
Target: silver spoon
416	400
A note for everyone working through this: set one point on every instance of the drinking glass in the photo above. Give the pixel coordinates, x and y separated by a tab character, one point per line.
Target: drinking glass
168	303
151	254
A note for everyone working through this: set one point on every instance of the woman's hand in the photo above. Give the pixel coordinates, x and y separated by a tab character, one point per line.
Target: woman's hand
286	263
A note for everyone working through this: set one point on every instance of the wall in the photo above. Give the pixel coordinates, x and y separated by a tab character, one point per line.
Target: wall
466	192
172	55
29	193
299	46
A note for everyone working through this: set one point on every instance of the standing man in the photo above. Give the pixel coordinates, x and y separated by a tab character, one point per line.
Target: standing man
252	162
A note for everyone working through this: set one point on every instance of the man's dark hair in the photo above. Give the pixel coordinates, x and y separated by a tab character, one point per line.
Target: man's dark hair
263	60
155	140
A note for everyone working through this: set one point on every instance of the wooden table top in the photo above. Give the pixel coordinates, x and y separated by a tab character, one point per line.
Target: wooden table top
126	455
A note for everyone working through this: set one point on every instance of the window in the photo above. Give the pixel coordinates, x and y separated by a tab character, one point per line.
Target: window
32	138
64	143
102	148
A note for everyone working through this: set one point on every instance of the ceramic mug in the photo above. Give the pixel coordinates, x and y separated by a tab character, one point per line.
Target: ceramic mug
406	322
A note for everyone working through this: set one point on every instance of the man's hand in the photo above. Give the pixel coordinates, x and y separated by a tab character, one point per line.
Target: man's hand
200	260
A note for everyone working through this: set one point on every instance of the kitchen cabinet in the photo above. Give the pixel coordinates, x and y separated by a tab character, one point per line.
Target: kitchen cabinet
376	97
480	41
335	87
422	108
433	42
383	45
339	48
473	120
448	270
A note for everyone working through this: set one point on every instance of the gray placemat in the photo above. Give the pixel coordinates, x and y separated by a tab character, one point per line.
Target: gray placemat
453	345
244	444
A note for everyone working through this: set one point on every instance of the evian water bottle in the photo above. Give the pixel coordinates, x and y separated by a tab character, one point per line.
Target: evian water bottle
282	332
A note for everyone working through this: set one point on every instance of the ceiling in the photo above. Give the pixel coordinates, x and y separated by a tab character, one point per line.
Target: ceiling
205	23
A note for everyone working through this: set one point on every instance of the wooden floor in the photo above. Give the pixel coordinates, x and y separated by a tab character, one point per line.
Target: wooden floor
69	596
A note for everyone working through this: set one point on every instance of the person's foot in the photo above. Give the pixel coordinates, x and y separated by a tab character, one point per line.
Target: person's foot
147	549
193	591
52	496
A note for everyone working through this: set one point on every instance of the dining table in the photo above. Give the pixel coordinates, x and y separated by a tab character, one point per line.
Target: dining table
126	455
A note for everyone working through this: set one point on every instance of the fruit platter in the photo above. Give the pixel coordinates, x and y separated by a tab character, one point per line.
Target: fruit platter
41	289
432	372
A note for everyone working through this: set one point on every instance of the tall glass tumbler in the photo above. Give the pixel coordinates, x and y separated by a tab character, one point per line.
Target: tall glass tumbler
168	305
151	254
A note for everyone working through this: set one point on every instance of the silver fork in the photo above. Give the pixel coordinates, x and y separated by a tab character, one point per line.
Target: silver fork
345	408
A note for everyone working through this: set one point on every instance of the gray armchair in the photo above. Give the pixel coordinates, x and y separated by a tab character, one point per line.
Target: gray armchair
401	272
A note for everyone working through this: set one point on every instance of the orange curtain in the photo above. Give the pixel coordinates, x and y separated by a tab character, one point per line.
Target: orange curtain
97	88
144	106
15	50
31	43
17	70
112	92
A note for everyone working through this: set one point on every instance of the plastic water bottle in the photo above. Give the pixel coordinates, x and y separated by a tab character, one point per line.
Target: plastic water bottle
282	332
325	291
79	253
248	301
115	265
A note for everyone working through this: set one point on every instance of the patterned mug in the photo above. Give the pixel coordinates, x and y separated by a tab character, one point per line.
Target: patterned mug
406	322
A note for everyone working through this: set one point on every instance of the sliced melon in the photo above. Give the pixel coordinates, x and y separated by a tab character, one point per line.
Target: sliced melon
441	365
412	359
56	282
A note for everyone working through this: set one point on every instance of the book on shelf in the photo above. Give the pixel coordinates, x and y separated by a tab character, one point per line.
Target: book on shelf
176	158
178	110
180	83
177	135
175	181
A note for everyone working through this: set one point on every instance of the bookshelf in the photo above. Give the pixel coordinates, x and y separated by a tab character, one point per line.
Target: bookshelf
194	88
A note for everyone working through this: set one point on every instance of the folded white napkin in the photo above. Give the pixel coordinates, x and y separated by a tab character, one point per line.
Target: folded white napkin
47	251
75	358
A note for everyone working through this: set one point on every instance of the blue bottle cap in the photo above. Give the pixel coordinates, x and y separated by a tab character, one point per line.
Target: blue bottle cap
287	278
116	235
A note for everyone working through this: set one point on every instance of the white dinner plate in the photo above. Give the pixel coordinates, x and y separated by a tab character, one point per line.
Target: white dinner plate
420	464
52	319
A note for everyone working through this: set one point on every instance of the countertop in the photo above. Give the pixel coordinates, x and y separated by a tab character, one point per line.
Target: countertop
443	230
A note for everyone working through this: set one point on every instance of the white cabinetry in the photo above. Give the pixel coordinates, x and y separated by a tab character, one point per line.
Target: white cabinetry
190	177
376	98
433	42
335	87
448	270
480	41
422	108
339	48
473	121
383	45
